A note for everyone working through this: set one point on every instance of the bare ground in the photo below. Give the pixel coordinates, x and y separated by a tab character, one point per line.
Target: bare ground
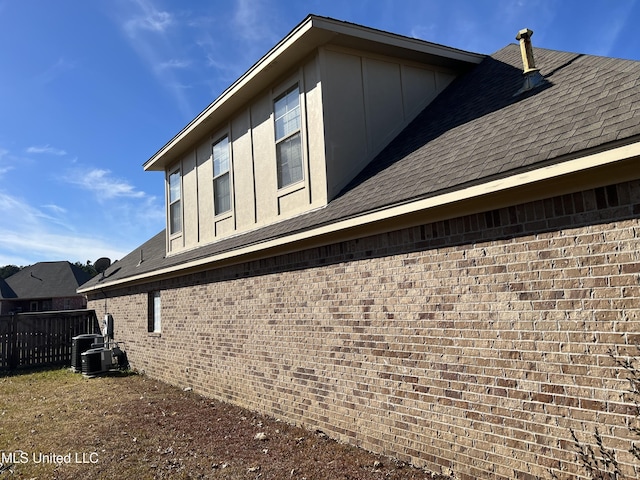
60	425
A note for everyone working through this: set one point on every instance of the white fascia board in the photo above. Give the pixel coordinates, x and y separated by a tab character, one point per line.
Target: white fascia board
550	172
270	58
396	40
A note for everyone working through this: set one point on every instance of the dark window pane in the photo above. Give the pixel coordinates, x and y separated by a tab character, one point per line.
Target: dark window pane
175	223
289	154
222	194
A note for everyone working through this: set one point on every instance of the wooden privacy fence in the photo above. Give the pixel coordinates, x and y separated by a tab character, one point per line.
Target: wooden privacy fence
42	338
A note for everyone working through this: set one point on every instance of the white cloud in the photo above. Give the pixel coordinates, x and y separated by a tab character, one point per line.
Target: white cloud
102	184
29	246
17	212
254	27
227	69
46	149
150	19
13	207
55	71
4	168
49	233
146	214
149	32
171	43
252	23
5	156
174	63
424	32
609	34
56	209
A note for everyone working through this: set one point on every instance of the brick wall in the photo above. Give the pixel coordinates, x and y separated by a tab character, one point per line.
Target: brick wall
75	302
475	343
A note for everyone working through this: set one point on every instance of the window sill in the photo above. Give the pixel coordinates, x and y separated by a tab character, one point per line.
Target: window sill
294	187
223	215
154	334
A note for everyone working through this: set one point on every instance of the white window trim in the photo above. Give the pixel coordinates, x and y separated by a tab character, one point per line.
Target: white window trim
155	312
171	172
276	94
229	172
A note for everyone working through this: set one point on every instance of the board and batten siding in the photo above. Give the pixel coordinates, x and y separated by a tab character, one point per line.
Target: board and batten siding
367	104
255	197
352	104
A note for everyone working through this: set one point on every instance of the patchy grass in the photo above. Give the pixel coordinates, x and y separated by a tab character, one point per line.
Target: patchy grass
130	426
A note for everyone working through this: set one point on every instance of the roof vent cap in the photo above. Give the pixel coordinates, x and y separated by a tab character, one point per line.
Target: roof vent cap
526	49
532	76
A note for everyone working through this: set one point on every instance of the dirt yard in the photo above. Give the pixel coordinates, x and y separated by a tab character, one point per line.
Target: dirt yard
58	425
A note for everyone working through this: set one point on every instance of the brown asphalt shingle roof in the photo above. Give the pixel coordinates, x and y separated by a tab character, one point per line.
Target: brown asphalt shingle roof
477	130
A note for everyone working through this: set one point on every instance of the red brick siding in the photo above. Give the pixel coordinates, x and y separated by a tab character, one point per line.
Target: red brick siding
474	343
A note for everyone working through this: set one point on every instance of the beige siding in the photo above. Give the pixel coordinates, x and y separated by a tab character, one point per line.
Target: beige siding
244	172
383	101
345	118
205	192
352	104
223	226
264	152
315	138
418	89
175	243
292	199
443	79
256	199
190	200
368	100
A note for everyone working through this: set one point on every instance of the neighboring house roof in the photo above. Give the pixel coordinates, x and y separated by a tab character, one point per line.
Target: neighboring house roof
5	290
46	280
477	133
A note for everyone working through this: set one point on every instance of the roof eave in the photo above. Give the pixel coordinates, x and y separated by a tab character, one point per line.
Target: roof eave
310	34
597	169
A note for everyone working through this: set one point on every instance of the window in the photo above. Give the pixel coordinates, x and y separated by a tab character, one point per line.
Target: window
288	137
154	312
175	220
221	178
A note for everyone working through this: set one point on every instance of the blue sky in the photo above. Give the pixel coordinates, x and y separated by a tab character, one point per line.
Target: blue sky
89	90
